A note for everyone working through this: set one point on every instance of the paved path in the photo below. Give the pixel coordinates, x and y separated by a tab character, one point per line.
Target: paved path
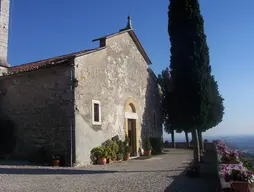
207	182
160	173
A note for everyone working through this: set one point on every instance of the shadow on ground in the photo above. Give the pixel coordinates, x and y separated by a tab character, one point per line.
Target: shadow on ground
207	182
60	171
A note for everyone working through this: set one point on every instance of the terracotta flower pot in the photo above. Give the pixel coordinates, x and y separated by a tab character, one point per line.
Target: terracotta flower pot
109	161
102	161
147	152
56	162
126	157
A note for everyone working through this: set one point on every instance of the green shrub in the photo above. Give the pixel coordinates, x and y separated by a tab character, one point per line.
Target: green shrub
98	152
112	148
127	148
157	145
147	144
119	156
121	150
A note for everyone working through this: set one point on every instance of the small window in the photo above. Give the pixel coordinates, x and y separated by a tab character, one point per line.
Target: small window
96	112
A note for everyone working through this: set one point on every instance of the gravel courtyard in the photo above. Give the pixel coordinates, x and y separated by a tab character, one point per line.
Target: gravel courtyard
155	174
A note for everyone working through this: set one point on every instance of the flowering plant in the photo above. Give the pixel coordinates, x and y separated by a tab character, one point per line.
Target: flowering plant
232	171
225	154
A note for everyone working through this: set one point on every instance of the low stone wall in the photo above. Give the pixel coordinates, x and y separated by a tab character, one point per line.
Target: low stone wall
178	145
225	186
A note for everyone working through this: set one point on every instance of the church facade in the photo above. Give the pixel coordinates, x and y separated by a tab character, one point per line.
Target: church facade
72	103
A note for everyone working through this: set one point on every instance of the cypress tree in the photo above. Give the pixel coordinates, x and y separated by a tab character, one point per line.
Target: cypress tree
190	68
164	82
215	110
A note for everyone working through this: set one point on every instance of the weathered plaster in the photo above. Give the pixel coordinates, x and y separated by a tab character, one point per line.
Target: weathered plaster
3	70
112	76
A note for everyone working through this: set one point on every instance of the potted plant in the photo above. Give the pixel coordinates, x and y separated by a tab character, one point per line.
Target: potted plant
119	157
127	153
111	147
99	155
147	147
127	149
121	150
55	160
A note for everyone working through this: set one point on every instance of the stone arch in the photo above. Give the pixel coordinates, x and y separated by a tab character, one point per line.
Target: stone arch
131	108
131	116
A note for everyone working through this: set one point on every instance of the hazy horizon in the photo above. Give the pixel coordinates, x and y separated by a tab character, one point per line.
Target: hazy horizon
181	136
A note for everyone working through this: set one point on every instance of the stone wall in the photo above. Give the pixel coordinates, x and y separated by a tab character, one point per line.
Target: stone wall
113	76
152	118
40	104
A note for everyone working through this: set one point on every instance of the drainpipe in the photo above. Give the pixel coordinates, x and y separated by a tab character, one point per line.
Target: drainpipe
71	119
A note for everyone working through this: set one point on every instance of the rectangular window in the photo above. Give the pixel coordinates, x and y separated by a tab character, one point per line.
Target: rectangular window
96	112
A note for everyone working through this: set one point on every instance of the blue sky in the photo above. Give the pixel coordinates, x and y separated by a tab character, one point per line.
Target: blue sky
42	29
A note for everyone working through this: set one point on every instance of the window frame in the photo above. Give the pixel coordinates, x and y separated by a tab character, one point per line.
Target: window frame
93	120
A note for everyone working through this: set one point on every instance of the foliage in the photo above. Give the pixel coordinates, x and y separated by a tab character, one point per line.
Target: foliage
55	157
157	145
189	65
98	152
7	136
126	140
247	164
112	148
164	80
216	107
127	148
121	150
192	86
166	142
119	156
165	83
147	144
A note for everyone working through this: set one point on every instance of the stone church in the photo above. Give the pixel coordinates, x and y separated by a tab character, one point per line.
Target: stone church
74	102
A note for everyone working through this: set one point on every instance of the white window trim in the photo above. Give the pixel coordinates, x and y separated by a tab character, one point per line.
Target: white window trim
95	122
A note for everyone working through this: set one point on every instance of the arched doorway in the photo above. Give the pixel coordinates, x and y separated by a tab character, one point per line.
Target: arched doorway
131	129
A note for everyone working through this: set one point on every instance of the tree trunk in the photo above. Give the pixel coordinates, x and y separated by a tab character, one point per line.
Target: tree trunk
201	143
196	151
187	139
173	139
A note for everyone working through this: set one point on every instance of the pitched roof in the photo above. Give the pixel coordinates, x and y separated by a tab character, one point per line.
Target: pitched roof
134	38
46	63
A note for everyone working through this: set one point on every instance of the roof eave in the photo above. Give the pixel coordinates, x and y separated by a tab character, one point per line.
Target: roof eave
111	35
88	52
140	47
